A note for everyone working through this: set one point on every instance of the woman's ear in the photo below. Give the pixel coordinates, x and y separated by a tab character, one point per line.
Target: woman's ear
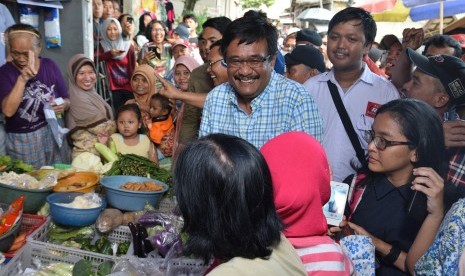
413	156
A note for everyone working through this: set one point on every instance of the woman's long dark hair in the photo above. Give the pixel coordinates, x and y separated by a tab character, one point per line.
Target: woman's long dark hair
422	127
142	26
224	191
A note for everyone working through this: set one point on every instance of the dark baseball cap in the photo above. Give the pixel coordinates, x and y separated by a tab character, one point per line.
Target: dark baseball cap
307	55
448	69
309	36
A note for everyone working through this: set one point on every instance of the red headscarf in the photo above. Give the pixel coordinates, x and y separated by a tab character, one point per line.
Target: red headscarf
301	176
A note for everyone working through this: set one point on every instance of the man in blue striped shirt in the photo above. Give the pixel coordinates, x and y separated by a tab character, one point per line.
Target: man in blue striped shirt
257	104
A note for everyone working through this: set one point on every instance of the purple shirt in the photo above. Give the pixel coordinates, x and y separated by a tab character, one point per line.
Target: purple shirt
30	114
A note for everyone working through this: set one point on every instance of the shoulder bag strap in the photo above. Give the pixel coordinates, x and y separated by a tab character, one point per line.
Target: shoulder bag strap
347	123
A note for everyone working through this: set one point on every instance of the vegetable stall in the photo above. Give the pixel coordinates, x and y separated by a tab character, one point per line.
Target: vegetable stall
96	216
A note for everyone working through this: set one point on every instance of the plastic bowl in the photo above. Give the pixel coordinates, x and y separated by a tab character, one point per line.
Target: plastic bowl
7	239
130	200
72	216
34	199
89	181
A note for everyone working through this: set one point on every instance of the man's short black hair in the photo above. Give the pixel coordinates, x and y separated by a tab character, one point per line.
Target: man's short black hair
352	13
442	41
218	23
249	30
189	16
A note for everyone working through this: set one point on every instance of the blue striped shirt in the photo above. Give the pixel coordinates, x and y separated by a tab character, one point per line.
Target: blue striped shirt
283	106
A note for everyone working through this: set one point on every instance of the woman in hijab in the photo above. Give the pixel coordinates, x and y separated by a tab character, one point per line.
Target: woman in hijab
89	117
120	61
300	191
143	87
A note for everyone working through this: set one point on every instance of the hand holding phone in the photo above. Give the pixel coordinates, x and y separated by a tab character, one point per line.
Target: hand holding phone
334	208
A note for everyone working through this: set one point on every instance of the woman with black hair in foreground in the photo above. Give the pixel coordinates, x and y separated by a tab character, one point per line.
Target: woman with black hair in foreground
224	191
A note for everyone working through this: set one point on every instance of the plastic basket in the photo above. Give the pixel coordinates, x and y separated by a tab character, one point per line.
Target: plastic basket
40	239
41	235
49	254
28	225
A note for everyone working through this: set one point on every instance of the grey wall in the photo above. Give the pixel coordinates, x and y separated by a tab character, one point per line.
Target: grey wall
71	28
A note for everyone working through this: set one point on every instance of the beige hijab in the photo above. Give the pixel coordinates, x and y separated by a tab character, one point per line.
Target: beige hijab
87	108
149	73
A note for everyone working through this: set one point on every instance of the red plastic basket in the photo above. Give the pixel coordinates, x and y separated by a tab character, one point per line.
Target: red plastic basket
29	224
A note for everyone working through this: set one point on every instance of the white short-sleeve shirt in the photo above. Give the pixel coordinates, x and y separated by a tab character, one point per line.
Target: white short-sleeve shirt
361	101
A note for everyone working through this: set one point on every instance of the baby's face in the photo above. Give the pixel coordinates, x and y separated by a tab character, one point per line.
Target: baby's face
156	109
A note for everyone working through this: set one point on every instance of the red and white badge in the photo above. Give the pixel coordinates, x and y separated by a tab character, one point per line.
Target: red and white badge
371	110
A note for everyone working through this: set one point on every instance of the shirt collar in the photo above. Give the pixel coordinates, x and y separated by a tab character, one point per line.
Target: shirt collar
367	76
384	187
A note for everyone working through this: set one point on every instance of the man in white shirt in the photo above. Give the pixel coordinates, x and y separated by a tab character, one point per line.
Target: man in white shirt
351	33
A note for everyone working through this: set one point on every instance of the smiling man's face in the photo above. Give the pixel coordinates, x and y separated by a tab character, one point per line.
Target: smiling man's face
249	78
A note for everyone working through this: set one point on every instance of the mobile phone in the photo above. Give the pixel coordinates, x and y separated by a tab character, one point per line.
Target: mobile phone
334	208
154	49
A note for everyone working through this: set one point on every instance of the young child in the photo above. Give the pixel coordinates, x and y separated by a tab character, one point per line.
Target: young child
128	140
161	127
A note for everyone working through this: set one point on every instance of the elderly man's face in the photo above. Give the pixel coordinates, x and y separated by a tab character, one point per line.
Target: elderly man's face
249	67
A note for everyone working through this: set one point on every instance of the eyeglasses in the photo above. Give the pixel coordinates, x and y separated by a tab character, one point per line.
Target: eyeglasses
130	20
254	62
382	144
212	63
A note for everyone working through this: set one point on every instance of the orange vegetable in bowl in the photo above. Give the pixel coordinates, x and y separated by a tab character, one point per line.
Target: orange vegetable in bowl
83	182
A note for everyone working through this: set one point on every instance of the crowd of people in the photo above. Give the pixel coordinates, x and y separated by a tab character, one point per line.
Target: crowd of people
257	125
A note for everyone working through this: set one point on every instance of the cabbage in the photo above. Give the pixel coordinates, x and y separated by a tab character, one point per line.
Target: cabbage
87	161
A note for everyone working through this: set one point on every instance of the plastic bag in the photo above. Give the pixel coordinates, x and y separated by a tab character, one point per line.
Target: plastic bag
58	131
29	15
128	267
52	28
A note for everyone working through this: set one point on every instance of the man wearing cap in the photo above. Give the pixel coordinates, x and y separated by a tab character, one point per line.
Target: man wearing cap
304	62
454	131
440	81
181	32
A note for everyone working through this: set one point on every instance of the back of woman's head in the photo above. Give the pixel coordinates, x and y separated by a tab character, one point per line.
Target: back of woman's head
421	125
223	187
301	182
